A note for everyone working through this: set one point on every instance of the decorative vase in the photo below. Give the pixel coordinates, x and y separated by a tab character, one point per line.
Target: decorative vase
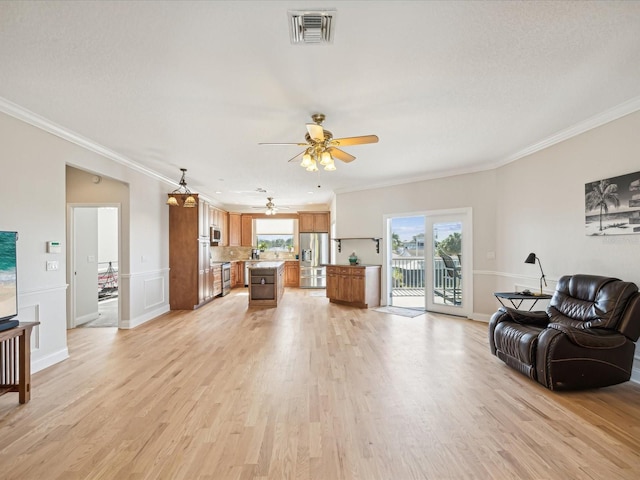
353	259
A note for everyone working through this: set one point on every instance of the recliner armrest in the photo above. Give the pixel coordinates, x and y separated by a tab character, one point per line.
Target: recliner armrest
538	319
591	337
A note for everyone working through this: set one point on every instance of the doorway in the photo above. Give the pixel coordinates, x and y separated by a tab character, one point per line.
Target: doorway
429	261
94	241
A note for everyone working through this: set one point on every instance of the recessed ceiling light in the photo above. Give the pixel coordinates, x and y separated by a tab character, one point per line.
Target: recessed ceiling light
310	193
218	193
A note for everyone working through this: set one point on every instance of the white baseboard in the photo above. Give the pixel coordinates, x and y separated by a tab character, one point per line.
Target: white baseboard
87	318
51	359
136	322
480	317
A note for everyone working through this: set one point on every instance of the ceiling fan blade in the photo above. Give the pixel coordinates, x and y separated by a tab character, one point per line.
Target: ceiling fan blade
341	154
316	132
344	142
299	144
297	157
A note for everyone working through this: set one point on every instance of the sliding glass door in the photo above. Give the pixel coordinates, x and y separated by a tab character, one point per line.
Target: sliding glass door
429	261
448	249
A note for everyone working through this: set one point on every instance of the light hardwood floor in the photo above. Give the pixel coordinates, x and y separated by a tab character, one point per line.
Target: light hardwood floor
308	390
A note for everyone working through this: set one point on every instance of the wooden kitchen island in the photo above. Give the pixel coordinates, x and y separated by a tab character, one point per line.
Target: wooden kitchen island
354	285
266	283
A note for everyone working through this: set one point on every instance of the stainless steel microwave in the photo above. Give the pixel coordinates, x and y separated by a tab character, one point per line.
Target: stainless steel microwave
215	235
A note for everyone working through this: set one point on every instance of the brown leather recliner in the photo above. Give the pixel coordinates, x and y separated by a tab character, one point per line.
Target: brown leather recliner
585	339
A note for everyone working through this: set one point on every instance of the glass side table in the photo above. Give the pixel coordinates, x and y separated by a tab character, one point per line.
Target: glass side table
517	298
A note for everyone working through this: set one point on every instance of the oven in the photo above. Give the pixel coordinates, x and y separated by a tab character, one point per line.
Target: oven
226	278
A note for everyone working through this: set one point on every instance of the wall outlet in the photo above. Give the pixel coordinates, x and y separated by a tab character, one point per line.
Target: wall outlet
52	265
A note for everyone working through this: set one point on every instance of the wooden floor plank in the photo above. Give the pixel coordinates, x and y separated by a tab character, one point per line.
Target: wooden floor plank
311	391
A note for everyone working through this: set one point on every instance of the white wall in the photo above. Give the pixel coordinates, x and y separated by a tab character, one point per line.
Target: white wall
107	235
33	203
535	204
360	214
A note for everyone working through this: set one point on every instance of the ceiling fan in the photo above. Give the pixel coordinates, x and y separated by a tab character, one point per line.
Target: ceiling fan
322	148
270	207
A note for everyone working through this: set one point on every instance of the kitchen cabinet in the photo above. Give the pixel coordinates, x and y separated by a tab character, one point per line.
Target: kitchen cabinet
355	285
216	274
224	228
247	231
314	222
203	218
291	273
240	230
220	219
190	284
235	229
237	274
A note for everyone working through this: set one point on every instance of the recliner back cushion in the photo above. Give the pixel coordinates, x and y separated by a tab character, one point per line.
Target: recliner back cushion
588	301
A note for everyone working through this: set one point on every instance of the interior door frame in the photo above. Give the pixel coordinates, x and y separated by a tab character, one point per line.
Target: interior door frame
466	309
71	256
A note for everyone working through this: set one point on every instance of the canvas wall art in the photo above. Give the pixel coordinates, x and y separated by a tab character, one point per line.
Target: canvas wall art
612	205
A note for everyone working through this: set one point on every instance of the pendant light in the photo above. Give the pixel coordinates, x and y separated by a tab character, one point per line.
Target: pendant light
183	190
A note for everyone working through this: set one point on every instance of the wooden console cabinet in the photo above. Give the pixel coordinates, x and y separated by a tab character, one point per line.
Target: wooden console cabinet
15	360
355	285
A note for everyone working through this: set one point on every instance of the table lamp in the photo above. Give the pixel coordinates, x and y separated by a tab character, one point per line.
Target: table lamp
531	258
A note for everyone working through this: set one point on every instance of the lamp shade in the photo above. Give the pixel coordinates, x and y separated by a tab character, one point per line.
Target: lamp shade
531	258
190	202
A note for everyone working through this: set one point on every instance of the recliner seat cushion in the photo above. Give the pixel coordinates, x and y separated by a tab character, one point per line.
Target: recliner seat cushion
516	345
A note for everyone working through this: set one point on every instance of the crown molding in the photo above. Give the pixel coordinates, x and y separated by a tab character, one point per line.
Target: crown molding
53	128
619	111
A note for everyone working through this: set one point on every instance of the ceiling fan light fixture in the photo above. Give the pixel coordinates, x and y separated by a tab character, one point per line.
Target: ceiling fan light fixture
313	167
306	160
325	158
172	202
189	202
330	167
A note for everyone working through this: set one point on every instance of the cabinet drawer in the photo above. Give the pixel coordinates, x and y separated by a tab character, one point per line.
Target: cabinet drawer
357	272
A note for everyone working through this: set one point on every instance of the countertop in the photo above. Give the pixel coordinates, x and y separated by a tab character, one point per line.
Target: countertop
349	265
265	264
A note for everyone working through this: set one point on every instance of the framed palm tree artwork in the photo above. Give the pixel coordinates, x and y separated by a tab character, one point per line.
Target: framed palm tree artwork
612	205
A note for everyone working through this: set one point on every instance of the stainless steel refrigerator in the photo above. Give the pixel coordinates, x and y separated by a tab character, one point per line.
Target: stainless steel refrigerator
314	255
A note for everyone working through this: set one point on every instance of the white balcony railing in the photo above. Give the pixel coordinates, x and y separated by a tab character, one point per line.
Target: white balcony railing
408	279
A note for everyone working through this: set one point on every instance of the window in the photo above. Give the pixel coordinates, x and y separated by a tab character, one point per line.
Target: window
276	235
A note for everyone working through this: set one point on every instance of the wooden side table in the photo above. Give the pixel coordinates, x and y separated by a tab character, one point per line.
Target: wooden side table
15	361
516	298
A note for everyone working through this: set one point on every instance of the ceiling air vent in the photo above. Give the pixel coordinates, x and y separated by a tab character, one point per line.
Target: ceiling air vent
311	28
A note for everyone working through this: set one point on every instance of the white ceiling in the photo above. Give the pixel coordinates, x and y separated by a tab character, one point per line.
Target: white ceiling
449	87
